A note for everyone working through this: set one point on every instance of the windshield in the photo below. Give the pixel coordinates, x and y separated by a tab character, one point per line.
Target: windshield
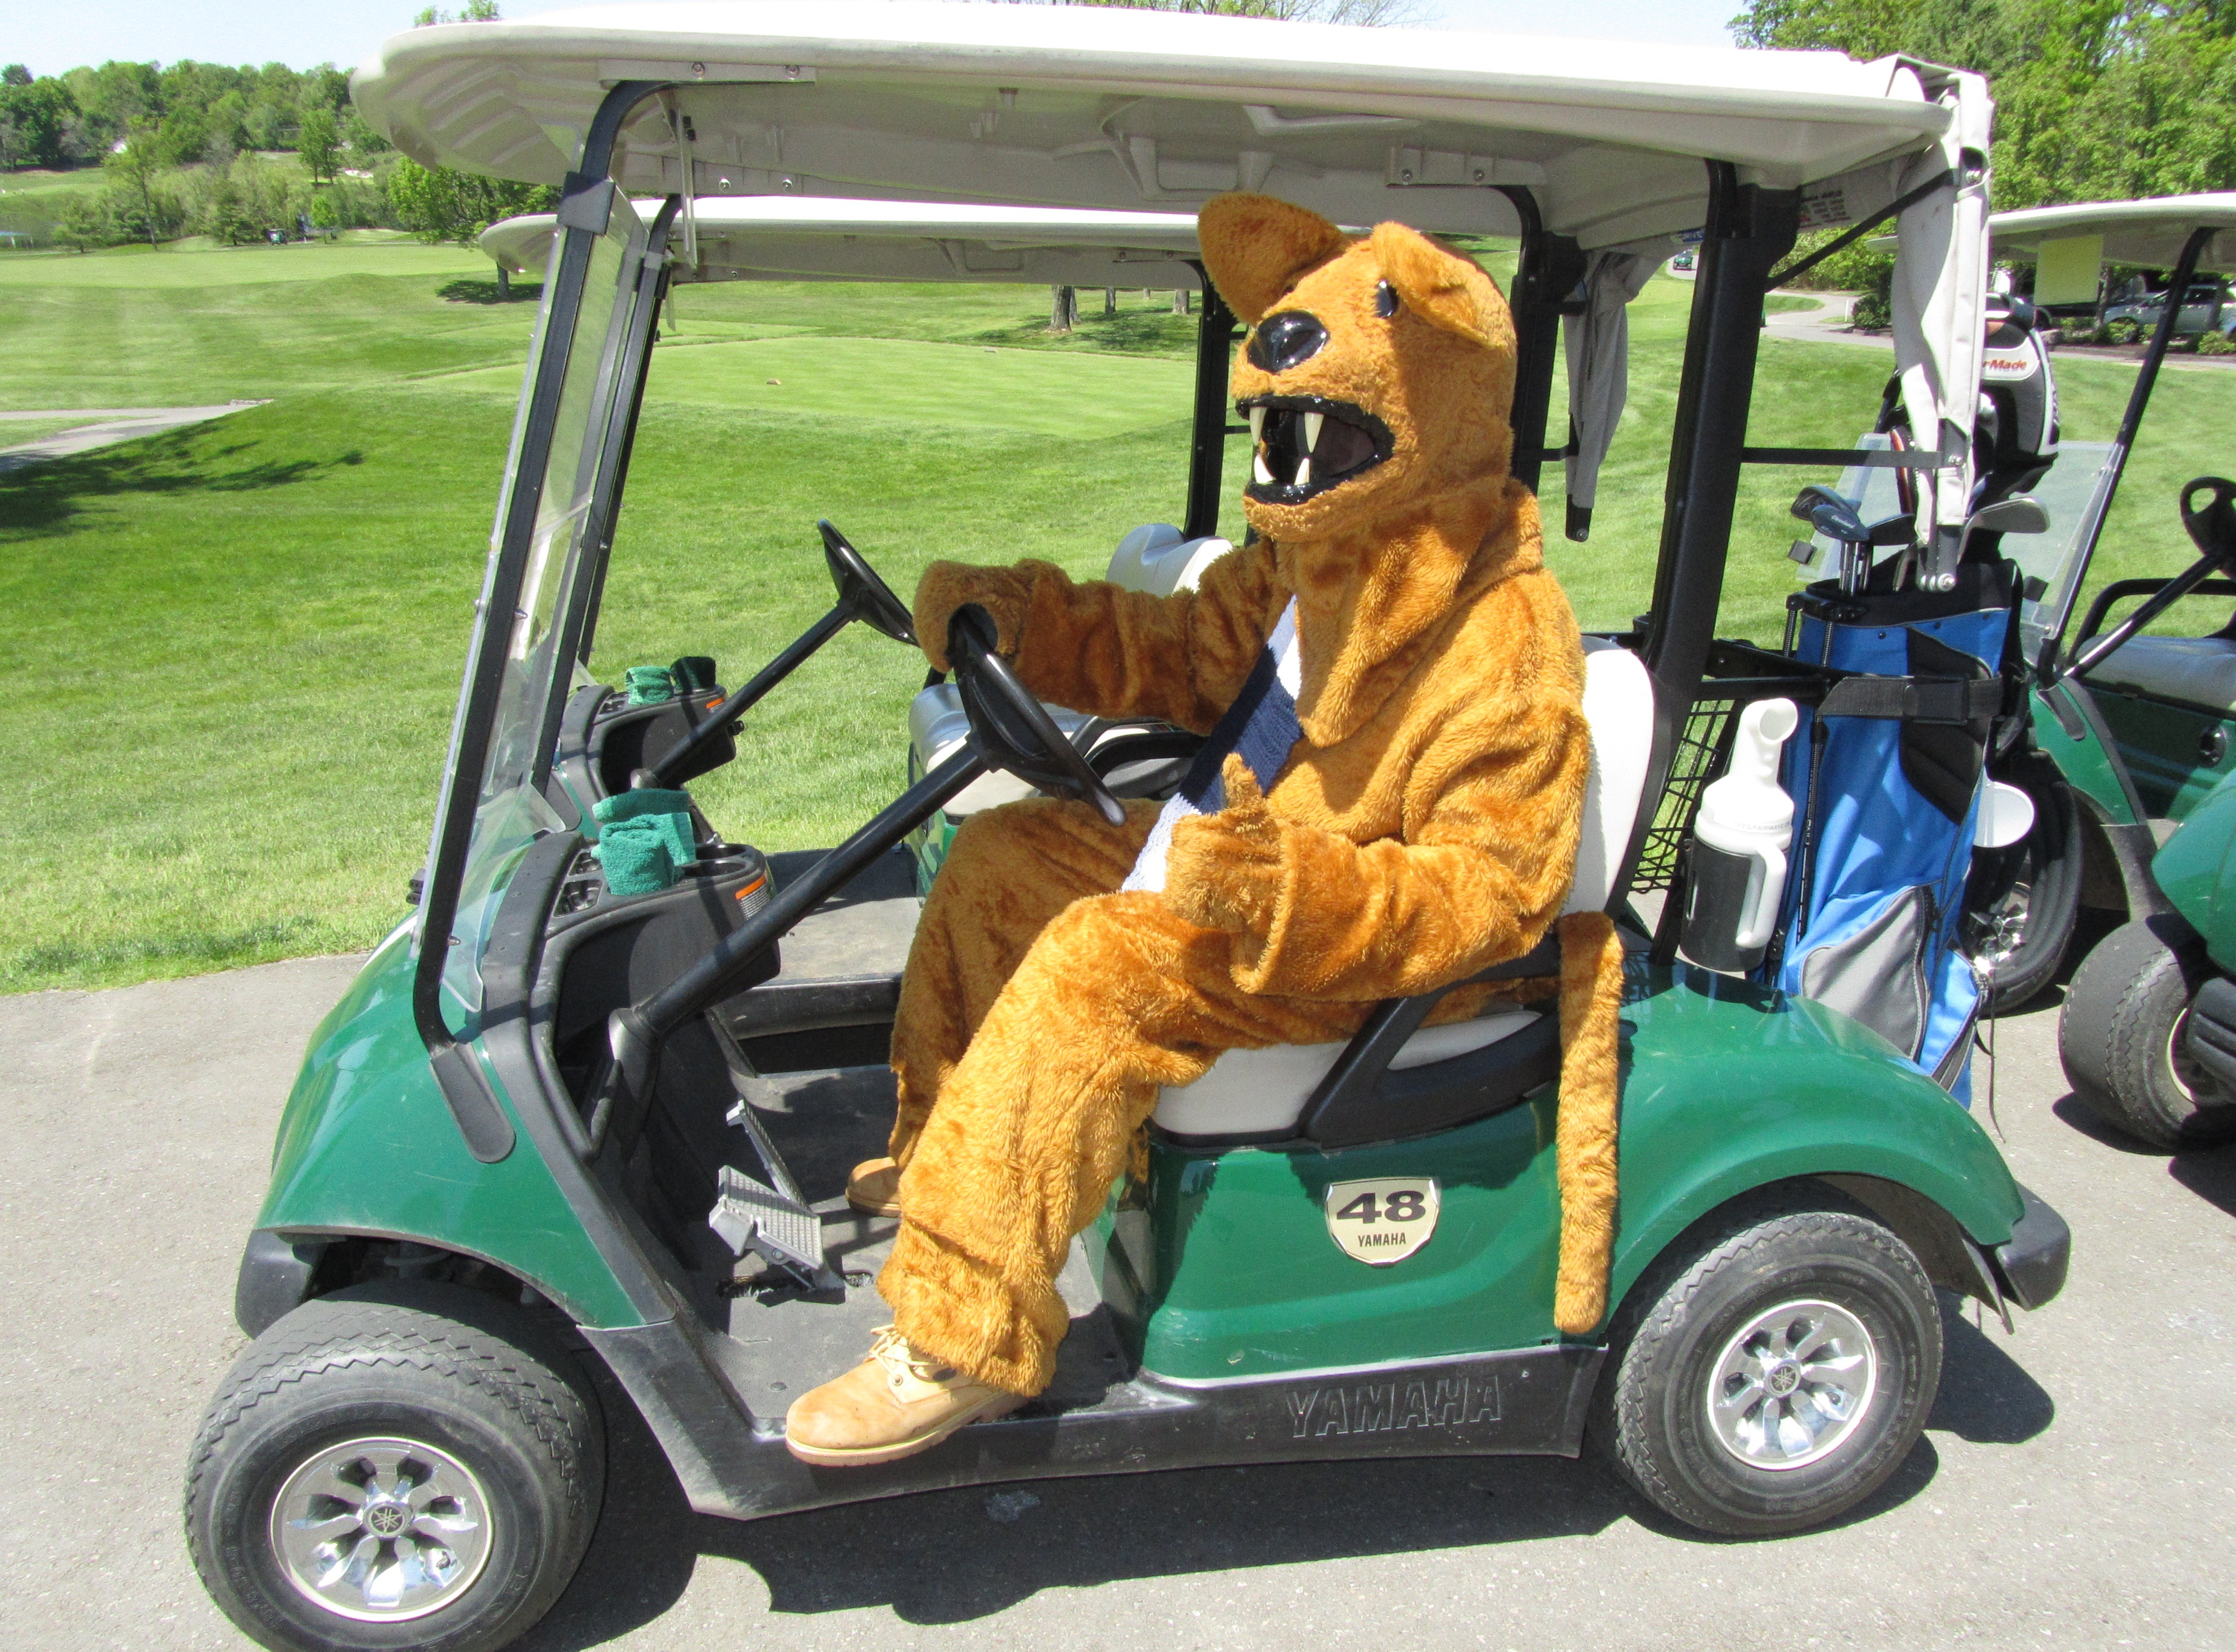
511	809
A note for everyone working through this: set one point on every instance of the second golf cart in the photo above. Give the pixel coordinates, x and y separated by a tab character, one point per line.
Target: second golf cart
2141	724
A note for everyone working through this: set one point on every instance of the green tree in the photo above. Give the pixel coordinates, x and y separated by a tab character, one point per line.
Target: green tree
14	74
319	141
224	216
132	169
38	115
439	204
2095	99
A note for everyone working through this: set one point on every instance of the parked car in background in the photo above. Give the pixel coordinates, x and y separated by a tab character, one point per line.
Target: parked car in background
2206	307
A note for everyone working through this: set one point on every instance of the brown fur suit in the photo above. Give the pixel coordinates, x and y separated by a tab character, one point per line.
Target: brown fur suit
1424	829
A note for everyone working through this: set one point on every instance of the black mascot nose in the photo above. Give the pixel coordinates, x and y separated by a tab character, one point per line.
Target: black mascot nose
1286	340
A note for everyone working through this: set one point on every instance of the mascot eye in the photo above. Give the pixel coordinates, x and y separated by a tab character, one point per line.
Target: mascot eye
1385	299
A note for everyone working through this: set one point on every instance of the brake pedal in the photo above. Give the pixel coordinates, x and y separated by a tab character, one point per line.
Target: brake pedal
752	1215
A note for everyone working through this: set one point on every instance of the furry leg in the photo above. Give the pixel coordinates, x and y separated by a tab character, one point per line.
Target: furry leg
1591	995
1009	871
1118	997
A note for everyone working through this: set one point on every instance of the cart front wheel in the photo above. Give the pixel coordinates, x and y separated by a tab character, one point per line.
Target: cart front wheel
400	1466
1772	1369
2119	1037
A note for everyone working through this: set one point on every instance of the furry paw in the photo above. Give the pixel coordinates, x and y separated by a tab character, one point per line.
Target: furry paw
1227	871
1003	592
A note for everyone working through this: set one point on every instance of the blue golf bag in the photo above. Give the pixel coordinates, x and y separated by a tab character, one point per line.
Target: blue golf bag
1886	775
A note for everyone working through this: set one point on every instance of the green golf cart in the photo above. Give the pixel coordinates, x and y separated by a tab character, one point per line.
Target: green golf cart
529	1169
2138	723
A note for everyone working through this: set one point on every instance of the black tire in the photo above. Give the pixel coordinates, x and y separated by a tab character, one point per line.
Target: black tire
2120	1037
1796	1245
434	1367
2021	902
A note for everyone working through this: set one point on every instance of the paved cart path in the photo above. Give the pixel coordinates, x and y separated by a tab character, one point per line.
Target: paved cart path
103	427
2076	1487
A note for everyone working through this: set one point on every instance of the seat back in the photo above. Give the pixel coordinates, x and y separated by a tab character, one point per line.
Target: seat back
1261	1093
1618	707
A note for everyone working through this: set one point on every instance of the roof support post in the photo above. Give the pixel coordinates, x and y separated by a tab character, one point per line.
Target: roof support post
1749	229
1214	346
2131	422
1548	274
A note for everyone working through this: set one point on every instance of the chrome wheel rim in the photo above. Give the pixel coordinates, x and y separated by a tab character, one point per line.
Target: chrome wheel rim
1792	1385
2186	1077
381	1529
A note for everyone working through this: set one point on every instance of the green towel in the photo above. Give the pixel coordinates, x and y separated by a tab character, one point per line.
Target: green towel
691	672
649	685
668	812
635	855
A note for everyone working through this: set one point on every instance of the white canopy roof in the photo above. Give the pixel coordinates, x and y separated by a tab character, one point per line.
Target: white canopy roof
1106	108
811	238
2136	231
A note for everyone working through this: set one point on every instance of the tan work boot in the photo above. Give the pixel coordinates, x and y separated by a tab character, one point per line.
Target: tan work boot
874	1187
893	1404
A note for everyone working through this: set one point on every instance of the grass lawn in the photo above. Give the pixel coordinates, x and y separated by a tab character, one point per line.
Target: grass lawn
236	646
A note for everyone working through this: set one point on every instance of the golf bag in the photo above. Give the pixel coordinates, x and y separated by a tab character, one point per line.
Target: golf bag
1886	777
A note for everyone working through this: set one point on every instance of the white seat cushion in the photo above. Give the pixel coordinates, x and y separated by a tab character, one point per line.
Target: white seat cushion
1253	1092
1250	1092
2199	669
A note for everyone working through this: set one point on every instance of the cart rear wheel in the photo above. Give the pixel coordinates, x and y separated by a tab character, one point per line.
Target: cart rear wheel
2119	1036
1772	1369
412	1465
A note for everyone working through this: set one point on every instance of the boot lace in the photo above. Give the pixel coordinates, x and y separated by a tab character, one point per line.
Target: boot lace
901	1360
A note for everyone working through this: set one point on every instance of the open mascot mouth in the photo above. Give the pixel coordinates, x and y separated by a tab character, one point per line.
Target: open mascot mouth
1303	445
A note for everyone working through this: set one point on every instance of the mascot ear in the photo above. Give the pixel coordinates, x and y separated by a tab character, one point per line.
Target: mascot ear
1254	247
1442	287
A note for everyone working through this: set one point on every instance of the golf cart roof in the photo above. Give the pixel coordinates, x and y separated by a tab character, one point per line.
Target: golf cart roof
787	237
2149	232
1117	109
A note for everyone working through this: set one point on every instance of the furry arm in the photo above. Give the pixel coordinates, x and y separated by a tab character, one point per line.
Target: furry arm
1314	915
1110	652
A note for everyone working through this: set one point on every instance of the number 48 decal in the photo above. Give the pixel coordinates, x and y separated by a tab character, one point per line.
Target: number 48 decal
1382	1221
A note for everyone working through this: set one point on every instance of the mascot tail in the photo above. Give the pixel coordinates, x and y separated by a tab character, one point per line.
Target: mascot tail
1591	995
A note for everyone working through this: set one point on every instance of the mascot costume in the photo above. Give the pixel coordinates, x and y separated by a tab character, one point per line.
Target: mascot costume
1390	802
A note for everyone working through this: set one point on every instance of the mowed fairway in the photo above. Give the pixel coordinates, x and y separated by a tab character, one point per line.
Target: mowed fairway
233	650
911	382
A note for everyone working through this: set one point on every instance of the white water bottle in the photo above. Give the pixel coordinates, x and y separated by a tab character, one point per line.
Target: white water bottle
1739	840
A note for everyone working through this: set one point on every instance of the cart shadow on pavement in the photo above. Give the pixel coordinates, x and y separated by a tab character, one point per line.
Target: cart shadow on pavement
2209	1172
955	1557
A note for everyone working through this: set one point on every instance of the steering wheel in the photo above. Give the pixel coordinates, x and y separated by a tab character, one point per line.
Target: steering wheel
1011	729
861	593
2212	526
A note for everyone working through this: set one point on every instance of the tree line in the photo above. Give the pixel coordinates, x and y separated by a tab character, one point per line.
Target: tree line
199	148
2095	100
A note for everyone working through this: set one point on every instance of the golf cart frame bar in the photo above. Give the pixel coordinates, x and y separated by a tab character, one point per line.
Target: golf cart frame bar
2047	669
586	200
